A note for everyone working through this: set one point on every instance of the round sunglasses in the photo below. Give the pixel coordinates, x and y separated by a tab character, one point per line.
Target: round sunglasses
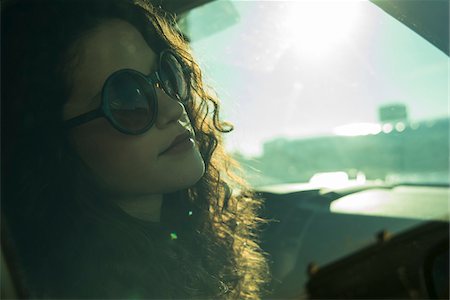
129	101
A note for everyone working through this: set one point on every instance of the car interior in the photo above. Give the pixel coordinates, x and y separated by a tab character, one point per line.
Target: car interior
339	235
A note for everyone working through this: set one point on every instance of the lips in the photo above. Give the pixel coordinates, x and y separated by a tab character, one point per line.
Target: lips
178	140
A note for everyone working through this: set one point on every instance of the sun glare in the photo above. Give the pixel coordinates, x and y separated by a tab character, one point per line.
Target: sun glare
356	129
319	27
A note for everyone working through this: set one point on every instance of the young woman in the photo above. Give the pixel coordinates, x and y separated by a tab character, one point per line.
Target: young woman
114	179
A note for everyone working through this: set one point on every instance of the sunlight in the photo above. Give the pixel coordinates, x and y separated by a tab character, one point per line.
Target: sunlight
330	179
356	129
319	27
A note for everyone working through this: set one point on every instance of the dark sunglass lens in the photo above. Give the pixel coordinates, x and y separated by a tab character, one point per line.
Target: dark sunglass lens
173	77
130	101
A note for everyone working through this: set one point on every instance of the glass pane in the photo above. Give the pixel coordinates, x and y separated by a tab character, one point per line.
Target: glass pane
321	88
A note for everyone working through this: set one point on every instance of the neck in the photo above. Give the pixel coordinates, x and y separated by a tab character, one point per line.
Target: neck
146	208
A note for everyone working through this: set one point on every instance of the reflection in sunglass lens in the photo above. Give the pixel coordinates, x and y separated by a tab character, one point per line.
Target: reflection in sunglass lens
173	77
129	101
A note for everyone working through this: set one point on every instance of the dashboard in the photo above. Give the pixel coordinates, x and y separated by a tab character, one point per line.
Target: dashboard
314	240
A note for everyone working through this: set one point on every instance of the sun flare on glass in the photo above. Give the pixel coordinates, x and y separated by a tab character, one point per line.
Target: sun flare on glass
358	129
319	27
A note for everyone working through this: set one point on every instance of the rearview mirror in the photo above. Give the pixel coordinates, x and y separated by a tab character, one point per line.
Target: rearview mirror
219	15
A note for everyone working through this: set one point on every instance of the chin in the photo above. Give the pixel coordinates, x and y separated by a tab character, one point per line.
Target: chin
185	175
190	176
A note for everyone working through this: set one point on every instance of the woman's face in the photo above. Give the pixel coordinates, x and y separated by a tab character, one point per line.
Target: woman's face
128	164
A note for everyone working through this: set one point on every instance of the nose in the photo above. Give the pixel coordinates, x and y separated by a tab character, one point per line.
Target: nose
169	110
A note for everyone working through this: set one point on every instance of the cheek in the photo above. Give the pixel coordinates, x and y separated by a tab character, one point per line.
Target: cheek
120	162
128	164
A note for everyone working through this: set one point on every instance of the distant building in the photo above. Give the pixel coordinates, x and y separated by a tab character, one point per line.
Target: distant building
275	145
414	153
393	113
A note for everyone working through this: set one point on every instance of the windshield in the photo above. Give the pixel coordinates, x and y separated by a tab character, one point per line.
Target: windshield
325	91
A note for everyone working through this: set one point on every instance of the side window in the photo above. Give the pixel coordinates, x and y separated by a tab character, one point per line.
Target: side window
324	89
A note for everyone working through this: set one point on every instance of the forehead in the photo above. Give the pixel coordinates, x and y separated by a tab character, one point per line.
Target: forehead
111	46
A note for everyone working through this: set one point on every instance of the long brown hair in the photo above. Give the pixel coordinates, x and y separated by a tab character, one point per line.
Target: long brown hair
63	226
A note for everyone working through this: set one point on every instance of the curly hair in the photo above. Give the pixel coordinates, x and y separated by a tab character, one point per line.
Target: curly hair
63	226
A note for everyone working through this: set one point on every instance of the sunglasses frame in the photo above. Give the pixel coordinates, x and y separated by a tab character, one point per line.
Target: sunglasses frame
154	81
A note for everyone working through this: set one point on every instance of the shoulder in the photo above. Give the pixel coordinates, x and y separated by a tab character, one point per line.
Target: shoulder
95	261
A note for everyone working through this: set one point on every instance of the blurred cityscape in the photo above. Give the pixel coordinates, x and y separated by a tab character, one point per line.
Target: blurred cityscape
394	150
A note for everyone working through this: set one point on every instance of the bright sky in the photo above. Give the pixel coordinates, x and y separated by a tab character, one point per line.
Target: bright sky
302	68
